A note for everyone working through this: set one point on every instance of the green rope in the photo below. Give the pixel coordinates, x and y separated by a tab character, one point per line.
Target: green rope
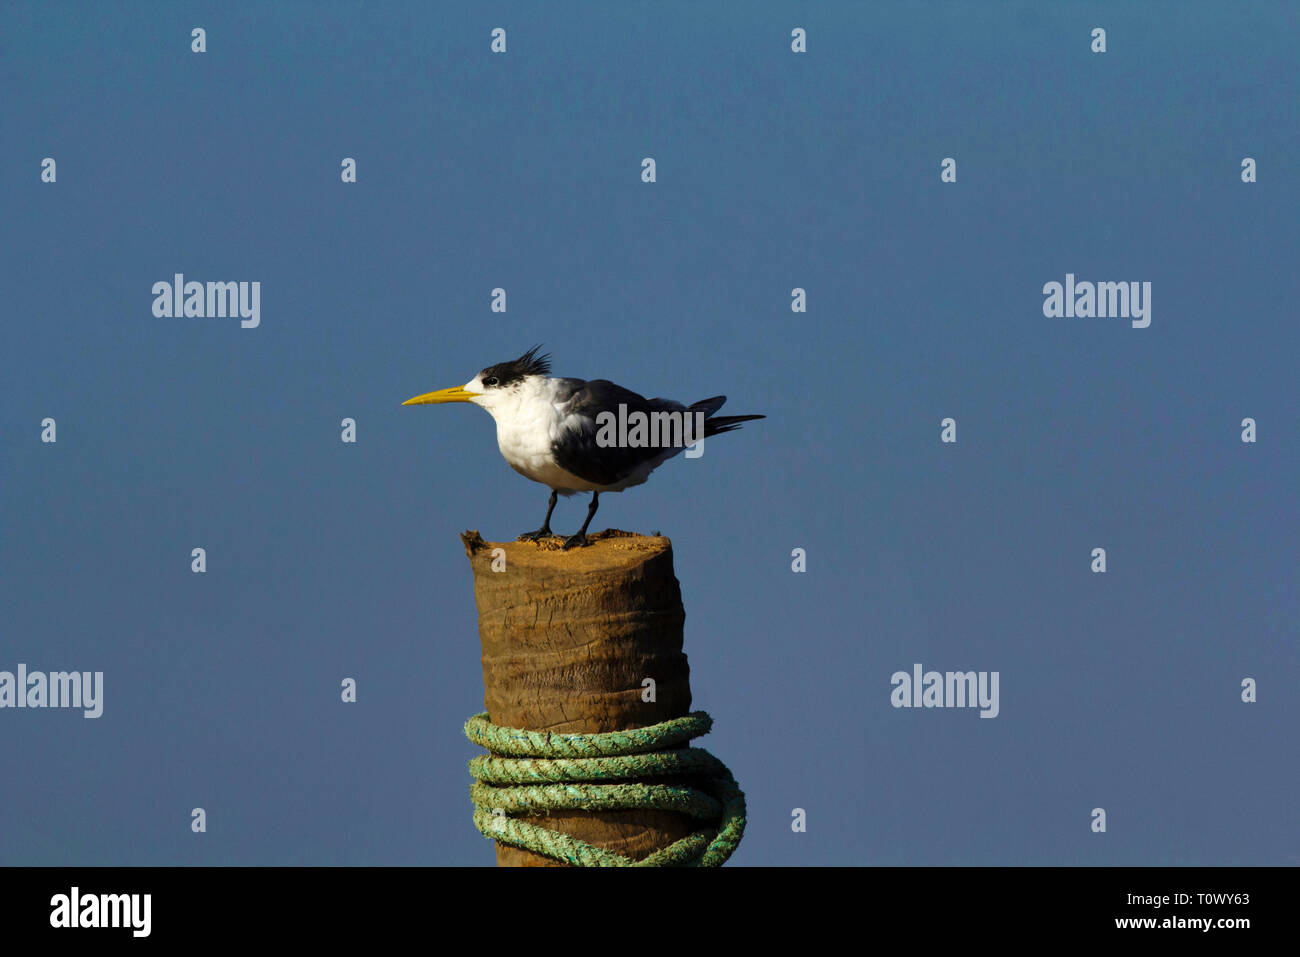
535	772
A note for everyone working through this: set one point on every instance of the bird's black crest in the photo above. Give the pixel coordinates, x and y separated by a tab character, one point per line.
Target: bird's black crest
530	363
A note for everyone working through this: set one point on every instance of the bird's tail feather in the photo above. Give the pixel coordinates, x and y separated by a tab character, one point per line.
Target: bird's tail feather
724	423
727	423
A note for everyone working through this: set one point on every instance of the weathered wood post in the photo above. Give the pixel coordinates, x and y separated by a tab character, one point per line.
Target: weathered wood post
569	639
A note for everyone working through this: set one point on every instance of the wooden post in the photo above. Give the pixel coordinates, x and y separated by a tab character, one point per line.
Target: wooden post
568	639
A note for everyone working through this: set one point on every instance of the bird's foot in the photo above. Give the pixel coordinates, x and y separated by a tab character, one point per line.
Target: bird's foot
543	532
575	541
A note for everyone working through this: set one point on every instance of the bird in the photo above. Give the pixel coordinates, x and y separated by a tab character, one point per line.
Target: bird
574	435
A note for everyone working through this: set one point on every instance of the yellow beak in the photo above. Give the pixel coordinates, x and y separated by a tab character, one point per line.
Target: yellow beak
454	394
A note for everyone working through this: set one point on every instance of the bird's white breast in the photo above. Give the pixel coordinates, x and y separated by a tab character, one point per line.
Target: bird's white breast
526	429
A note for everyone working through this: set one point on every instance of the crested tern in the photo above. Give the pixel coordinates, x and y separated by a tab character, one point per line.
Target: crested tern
572	435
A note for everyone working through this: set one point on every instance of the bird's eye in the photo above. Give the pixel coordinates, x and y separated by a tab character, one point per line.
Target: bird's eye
490	380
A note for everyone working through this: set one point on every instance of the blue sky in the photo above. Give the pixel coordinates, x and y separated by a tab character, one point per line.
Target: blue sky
774	171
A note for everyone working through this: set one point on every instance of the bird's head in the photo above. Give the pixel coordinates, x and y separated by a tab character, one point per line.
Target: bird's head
494	386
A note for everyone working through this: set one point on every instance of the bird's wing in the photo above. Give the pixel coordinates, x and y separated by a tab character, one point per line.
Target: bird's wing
579	403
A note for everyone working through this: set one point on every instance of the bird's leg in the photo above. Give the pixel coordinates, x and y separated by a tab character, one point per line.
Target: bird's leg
545	530
581	537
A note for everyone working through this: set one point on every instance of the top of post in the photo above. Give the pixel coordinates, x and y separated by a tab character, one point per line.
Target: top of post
611	549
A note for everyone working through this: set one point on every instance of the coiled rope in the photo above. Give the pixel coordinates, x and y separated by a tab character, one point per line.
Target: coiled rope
535	772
